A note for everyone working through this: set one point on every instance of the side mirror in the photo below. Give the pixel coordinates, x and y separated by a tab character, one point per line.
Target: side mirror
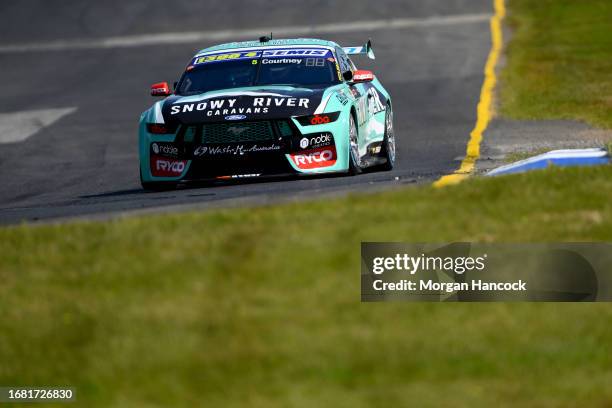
363	76
348	75
160	89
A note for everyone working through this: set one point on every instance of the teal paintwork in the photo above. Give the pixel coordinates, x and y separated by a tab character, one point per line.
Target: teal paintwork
371	127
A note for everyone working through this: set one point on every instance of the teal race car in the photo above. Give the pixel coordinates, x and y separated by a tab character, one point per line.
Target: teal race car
267	108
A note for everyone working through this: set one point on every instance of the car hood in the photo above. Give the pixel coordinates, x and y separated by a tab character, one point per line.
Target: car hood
253	103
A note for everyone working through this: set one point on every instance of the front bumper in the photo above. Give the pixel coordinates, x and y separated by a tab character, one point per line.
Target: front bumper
316	149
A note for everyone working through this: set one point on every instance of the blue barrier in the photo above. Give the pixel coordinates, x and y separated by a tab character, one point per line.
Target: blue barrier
569	157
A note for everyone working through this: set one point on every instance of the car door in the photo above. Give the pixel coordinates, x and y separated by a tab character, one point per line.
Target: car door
360	93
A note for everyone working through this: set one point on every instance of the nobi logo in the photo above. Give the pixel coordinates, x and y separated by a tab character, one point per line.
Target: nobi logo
320	140
164	149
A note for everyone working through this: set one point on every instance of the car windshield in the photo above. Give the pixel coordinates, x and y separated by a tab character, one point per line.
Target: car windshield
223	71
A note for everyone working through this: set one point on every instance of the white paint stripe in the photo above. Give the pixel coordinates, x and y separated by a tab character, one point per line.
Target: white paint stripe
221	35
323	104
159	118
18	126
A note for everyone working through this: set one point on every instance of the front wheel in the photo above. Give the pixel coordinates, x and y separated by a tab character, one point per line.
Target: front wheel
388	146
354	160
157	186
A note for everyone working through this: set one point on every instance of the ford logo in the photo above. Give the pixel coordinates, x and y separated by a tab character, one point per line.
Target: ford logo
235	117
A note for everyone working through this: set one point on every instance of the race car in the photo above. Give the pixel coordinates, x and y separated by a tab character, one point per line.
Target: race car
267	108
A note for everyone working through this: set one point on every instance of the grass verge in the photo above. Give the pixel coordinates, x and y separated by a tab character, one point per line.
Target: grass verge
260	307
522	155
559	61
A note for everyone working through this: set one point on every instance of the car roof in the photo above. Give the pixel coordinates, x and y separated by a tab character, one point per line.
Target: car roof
269	44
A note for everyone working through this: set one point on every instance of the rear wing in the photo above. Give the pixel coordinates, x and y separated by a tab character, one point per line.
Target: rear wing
361	50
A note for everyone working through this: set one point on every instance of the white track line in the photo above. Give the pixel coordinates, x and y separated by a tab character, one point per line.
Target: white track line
221	35
18	126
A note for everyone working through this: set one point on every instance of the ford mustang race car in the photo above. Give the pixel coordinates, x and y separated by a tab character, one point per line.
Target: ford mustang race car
267	108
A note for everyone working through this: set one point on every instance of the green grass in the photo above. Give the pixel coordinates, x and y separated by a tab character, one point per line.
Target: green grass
559	61
522	155
260	307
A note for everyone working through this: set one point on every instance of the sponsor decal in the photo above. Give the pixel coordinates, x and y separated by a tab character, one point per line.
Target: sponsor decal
310	52
342	98
353	50
363	77
234	149
340	78
273	53
228	108
320	120
167	167
369	105
252	104
232	56
165	149
282	61
375	105
235	117
316	140
238	176
315	158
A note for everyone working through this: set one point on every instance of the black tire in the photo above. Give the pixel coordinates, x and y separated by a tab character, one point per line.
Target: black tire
388	145
157	185
354	167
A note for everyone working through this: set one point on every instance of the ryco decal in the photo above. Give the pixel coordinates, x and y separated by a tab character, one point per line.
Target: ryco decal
166	167
316	158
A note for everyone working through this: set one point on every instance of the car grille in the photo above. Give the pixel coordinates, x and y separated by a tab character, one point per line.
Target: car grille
284	128
237	132
278	131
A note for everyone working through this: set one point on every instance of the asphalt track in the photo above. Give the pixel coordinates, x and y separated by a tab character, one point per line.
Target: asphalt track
82	162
